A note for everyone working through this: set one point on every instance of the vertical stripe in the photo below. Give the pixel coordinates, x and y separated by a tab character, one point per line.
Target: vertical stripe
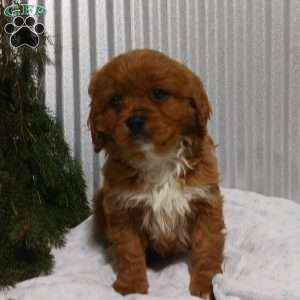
102	55
170	28
182	31
258	157
294	87
110	28
58	60
164	25
41	72
127	25
119	26
202	40
146	24
84	76
67	75
238	116
249	90
177	23
230	38
276	107
286	101
226	171
268	99
216	67
50	74
76	88
210	48
93	64
221	107
136	15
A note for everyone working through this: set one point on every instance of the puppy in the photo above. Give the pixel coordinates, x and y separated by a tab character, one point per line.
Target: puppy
149	114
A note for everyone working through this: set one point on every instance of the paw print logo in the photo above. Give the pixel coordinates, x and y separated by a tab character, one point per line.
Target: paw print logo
24	31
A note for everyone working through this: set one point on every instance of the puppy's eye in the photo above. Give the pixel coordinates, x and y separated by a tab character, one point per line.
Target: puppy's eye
115	100
159	94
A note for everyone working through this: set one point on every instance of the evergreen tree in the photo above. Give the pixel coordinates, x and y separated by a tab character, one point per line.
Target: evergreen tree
42	191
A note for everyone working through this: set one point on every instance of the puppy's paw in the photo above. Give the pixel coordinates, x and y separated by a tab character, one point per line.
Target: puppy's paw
196	290
125	288
205	296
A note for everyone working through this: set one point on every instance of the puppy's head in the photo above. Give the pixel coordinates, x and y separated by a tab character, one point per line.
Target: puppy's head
144	98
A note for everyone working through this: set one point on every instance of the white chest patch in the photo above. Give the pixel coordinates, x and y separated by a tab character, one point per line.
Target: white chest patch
167	198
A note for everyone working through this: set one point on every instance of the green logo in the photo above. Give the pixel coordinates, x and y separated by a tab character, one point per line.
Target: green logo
24	28
24	9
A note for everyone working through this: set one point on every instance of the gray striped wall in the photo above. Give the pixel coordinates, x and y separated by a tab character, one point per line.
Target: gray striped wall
247	52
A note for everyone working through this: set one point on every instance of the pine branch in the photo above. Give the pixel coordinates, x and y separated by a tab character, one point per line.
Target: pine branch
42	190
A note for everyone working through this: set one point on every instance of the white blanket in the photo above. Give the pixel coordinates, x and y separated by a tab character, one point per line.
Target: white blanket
262	260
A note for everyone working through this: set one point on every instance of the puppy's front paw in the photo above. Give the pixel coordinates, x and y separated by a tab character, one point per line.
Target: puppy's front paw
196	290
130	287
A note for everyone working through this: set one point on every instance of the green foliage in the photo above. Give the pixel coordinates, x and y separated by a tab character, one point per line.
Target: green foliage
42	191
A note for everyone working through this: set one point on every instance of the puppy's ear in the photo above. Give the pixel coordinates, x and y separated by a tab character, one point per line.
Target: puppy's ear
98	137
200	102
94	122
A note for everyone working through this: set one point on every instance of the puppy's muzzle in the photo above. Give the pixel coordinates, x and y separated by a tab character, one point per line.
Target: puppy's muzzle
136	124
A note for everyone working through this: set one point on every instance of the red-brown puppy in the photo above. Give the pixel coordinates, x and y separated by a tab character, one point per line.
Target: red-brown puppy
161	185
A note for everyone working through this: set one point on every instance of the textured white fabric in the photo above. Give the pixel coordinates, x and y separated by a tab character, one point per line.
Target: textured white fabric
262	260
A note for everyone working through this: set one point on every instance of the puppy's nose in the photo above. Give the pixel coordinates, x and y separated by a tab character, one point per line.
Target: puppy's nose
135	124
